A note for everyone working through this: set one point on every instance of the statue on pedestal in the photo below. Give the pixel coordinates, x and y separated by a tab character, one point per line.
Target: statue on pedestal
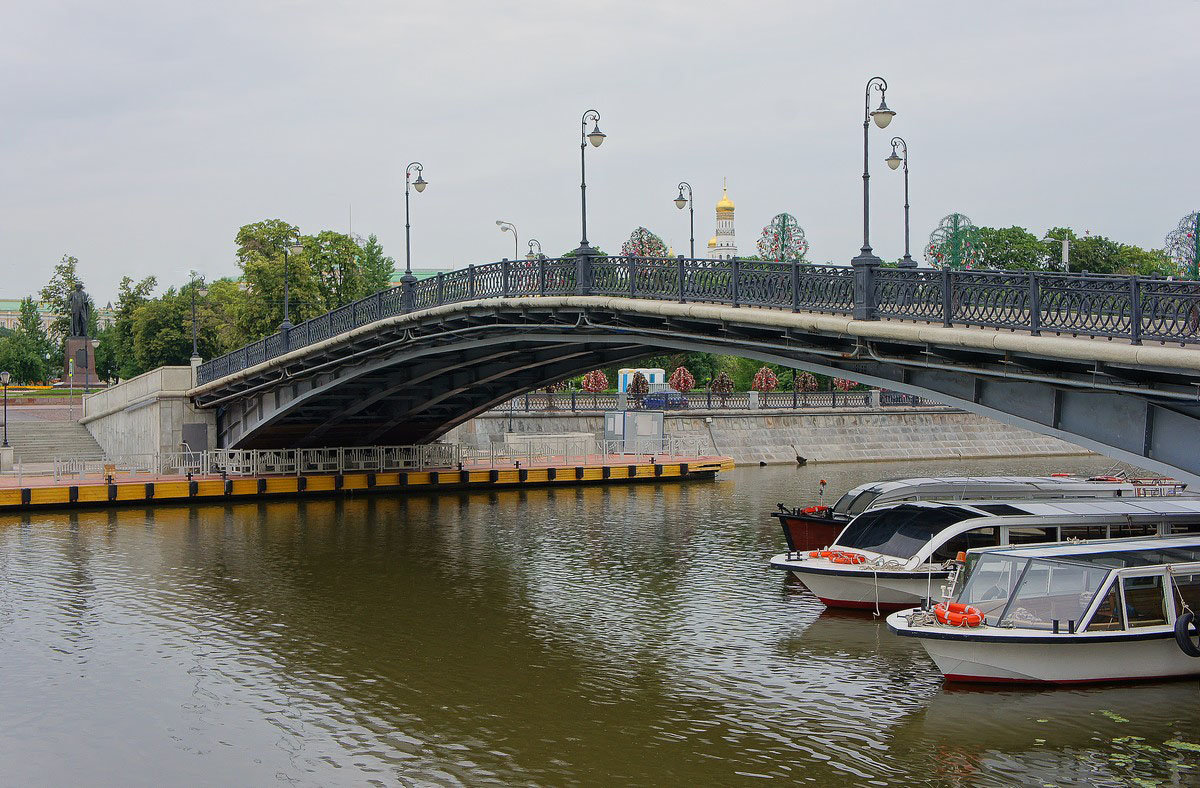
81	312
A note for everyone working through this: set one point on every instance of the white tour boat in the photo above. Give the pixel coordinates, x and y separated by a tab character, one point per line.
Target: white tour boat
1107	610
811	527
892	557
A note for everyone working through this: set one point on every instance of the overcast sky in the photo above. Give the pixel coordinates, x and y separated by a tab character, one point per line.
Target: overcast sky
138	136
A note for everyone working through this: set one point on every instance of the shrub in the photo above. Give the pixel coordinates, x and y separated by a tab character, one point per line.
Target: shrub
595	381
682	380
765	380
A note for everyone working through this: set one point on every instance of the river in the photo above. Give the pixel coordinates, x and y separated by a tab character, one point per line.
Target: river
630	635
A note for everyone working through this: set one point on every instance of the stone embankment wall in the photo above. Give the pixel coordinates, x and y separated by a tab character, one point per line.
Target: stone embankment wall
751	437
146	414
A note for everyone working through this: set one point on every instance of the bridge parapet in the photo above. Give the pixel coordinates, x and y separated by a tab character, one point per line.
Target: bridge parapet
1134	308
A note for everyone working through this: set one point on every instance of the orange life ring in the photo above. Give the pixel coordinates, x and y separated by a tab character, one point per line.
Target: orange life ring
956	614
839	556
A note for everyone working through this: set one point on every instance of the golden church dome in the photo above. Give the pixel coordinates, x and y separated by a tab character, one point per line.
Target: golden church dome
725	204
712	242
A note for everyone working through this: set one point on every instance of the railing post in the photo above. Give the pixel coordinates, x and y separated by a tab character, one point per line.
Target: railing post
572	400
583	274
736	271
408	293
471	281
632	277
541	275
865	307
1135	310
682	279
947	299
795	285
441	288
286	331
1035	304
379	305
526	401
504	271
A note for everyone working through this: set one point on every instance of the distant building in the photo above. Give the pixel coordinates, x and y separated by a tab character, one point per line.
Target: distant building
419	273
723	245
10	314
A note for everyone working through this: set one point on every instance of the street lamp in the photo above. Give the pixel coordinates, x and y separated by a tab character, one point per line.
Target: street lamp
198	289
291	246
1066	250
596	137
87	378
681	201
509	227
882	117
534	255
894	161
419	184
5	377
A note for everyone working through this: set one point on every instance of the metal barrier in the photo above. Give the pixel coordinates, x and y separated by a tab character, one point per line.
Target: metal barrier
1128	307
293	462
584	402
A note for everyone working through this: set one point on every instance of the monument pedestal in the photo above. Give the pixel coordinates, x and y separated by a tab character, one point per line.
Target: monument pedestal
80	350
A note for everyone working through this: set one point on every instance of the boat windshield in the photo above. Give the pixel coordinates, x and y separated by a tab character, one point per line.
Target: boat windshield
900	531
1031	592
855	502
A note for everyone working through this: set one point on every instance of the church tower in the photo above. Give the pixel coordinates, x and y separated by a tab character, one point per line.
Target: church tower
723	246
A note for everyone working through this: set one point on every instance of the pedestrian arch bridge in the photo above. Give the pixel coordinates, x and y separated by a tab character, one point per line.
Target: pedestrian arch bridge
1107	362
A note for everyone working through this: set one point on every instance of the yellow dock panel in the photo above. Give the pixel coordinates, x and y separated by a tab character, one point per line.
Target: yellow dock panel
42	495
10	497
93	493
320	483
282	484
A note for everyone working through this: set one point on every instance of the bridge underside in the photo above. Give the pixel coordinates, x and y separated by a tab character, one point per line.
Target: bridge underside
411	382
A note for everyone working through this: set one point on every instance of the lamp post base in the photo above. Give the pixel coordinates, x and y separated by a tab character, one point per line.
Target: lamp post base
907	262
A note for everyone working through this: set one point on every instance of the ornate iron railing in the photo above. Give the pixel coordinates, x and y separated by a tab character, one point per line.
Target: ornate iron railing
1125	307
704	400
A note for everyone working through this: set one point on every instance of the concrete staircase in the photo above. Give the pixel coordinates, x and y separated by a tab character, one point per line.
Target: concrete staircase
42	441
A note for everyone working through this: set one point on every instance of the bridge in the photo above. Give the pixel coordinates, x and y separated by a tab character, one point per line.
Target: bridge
1108	362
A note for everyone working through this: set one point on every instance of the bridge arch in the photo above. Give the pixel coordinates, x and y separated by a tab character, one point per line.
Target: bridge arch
412	377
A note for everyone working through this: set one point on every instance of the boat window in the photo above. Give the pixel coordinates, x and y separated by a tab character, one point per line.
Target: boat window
863	501
1108	614
1133	529
843	504
976	537
1083	532
1187	593
1021	534
1144	604
990	581
1000	509
1052	590
900	531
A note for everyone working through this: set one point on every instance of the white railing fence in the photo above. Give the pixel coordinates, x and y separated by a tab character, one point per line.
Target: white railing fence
296	462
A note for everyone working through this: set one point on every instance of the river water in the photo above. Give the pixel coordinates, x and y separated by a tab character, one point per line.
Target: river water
587	636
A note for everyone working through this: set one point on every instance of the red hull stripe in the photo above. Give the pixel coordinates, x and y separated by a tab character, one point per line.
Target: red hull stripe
891	607
1006	680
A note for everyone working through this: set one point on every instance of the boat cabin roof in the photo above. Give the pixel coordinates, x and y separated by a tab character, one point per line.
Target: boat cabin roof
930	486
1112	553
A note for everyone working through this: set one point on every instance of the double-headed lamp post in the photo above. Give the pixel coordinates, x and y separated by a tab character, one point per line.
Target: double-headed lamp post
681	201
882	117
198	290
894	161
291	246
419	184
509	227
596	137
5	378
532	255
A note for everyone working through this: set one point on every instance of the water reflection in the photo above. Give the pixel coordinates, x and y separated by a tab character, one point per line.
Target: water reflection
624	634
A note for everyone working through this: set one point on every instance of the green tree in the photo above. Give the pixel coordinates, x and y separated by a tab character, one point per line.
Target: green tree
335	262
118	340
27	353
1012	248
376	267
260	254
162	329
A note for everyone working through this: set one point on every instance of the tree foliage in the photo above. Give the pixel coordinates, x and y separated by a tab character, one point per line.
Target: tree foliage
27	353
56	296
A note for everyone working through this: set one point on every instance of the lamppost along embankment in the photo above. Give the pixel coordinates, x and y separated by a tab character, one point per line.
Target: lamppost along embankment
680	202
